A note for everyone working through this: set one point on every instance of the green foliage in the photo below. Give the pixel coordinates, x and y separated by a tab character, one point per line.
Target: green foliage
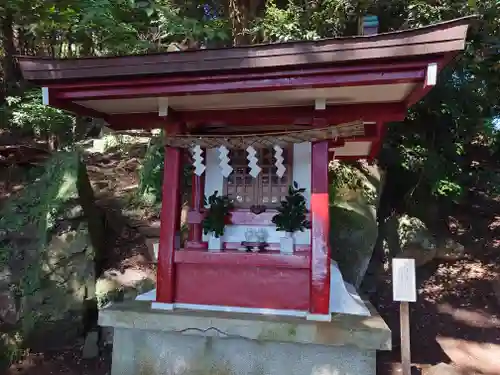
441	138
29	116
282	25
348	176
151	172
42	200
35	212
291	216
11	349
217	215
433	146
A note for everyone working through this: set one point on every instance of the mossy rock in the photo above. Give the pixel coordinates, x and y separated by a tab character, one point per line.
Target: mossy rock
52	258
413	231
11	349
109	290
353	217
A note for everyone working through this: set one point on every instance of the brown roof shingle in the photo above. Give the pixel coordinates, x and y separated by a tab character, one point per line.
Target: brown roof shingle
441	38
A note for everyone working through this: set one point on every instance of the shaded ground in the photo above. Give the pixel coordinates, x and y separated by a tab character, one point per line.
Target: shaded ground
65	361
114	177
456	300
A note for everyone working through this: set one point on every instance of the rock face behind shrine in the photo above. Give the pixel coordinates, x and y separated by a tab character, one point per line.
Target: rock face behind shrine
47	267
354	195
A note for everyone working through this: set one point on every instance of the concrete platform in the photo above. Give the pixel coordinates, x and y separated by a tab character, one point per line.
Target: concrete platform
155	342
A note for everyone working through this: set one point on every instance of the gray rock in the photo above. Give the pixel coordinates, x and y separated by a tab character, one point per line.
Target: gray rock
5	278
50	269
354	218
412	231
74	212
8	310
91	346
443	369
149	231
107	336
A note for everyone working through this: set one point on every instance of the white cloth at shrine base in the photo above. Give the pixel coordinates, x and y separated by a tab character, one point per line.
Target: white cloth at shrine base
344	298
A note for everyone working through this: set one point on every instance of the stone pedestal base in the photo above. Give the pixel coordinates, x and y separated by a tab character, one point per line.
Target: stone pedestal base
177	342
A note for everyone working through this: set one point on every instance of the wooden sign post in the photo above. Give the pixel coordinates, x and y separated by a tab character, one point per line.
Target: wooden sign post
404	290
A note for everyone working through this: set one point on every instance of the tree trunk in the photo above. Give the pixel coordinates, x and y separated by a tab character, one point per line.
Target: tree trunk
70	40
9	46
241	15
86	49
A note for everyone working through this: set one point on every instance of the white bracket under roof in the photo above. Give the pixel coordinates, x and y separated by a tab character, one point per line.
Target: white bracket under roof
431	74
163	107
320	104
45	95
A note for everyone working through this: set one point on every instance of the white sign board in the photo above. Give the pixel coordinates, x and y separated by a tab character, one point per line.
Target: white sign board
404	285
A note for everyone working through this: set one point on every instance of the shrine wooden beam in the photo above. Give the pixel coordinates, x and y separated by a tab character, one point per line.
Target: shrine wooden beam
245	85
300	260
373	112
173	121
388	65
420	91
74	108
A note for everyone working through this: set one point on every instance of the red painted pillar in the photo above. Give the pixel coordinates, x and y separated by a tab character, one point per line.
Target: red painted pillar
170	223
377	144
195	215
320	219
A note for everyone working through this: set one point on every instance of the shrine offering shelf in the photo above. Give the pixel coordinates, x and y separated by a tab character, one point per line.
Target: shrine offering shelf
238	258
273	247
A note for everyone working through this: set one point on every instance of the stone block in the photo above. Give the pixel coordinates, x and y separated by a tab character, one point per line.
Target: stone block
107	336
91	346
140	352
344	330
187	342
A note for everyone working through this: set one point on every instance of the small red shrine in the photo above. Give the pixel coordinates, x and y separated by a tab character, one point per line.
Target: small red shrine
330	97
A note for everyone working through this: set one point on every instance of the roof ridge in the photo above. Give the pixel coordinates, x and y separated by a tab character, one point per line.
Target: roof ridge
437	25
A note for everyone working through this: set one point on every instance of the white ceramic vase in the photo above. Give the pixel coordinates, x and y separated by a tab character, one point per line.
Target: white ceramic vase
287	243
155	251
214	243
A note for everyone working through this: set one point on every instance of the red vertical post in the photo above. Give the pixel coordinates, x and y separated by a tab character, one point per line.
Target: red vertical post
320	218
195	215
170	223
377	144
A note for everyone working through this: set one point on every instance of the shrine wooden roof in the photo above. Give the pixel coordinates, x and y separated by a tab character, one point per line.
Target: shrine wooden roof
438	39
258	90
